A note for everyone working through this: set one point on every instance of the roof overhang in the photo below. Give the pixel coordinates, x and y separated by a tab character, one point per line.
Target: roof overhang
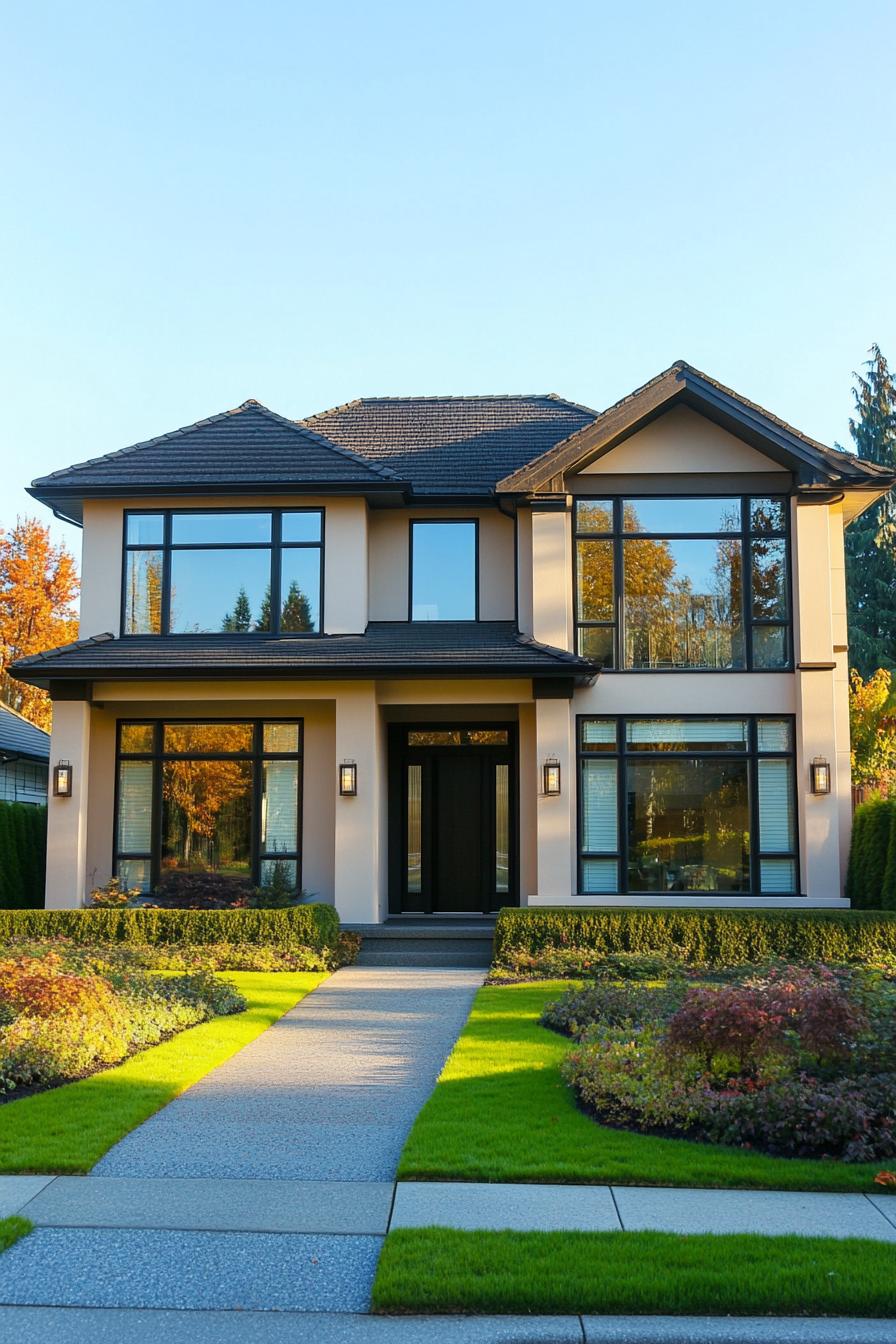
811	463
67	502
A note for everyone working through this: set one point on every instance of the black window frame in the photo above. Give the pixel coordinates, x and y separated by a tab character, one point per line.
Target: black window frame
276	546
257	756
621	754
428	522
745	534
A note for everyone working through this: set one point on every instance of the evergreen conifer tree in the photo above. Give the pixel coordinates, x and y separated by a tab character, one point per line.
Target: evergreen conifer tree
871	539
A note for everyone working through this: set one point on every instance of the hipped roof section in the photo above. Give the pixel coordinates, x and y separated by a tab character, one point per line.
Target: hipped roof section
437	449
248	449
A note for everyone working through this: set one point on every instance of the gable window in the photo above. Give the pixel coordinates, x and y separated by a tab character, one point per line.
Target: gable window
697	804
208	797
677	584
444	570
254	571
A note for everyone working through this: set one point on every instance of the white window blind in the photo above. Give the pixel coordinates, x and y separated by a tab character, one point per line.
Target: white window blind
279	826
135	807
777	876
599	807
600	877
775	806
684	733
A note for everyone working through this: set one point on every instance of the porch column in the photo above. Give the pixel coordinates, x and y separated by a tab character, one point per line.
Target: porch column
360	855
67	817
555	824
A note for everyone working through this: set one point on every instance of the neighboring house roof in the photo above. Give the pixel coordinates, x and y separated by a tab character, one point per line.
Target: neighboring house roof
682	384
249	448
19	738
452	445
387	648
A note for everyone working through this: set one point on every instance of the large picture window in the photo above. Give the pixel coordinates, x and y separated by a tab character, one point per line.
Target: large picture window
674	584
208	797
254	571
687	805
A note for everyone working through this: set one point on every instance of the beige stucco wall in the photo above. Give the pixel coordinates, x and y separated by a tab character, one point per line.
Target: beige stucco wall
389	531
681	441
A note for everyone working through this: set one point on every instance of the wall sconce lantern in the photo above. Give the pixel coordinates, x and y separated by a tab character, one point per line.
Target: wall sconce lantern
550	775
348	779
820	773
62	780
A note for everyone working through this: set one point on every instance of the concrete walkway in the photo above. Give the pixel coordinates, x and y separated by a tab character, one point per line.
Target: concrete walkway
252	1209
268	1184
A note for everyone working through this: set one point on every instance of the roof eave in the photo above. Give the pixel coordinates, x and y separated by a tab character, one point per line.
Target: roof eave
682	385
45	674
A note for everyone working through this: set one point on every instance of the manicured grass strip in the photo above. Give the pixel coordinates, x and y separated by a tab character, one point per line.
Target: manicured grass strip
501	1112
69	1128
435	1269
11	1229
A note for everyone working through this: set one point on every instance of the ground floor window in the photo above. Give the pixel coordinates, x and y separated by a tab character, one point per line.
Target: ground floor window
208	797
699	804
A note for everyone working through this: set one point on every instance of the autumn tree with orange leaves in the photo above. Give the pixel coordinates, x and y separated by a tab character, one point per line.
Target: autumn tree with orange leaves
38	588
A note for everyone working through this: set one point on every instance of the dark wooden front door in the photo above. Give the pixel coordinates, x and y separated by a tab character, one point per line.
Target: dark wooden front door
452	819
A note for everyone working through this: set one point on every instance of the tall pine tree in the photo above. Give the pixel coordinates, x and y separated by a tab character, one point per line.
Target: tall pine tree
871	539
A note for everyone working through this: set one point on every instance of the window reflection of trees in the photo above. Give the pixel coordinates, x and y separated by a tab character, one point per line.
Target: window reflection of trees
688	825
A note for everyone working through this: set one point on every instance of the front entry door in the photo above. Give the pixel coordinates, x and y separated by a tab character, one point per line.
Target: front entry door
452	823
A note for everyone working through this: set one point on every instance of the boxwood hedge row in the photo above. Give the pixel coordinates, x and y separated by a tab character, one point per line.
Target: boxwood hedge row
711	937
23	855
871	878
315	926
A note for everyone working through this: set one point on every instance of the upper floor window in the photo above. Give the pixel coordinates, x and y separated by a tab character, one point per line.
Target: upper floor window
254	571
675	584
444	565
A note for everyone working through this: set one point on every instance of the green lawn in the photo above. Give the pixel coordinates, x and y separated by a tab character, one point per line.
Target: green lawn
501	1112
11	1229
660	1273
69	1128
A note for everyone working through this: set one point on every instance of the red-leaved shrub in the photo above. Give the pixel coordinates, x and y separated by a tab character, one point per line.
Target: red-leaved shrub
39	988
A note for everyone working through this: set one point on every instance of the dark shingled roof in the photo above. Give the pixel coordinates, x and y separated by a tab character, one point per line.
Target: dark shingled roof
483	648
682	382
452	445
250	446
18	737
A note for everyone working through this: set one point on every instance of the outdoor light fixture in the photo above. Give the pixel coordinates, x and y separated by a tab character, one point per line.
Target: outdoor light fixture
62	780
348	779
820	772
550	774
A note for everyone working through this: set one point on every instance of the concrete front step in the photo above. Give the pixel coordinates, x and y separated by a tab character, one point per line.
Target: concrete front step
426	943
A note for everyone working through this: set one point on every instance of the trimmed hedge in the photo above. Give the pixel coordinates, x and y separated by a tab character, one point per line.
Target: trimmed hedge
710	937
871	876
315	926
23	856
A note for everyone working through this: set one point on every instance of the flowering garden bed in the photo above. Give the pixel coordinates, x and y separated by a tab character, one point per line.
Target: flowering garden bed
67	1010
794	1061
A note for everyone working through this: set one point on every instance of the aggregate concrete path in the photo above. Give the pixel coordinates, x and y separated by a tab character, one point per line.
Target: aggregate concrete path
327	1095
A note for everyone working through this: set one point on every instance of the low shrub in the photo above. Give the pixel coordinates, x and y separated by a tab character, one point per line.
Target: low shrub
796	1061
710	938
67	1014
738	1028
620	1004
581	963
314	926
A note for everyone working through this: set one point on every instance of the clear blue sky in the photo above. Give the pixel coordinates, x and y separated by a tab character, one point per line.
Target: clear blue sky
203	202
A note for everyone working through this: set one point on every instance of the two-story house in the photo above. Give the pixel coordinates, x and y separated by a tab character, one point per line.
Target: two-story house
442	655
